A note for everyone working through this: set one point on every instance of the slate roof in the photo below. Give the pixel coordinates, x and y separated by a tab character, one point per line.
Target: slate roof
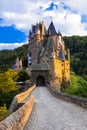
51	29
61	56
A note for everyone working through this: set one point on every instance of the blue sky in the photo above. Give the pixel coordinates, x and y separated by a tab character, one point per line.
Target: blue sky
16	18
11	34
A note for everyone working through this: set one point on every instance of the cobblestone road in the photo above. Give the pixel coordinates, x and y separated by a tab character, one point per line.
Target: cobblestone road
50	113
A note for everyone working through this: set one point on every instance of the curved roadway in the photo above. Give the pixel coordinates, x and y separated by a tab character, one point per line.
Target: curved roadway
51	113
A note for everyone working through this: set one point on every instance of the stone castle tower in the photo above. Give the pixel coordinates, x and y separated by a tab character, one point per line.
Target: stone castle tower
48	61
18	64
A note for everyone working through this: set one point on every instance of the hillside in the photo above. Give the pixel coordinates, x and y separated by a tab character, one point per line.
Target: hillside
78	50
8	57
78	86
76	44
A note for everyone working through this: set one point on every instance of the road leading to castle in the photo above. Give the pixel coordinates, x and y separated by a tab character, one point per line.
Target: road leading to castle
50	113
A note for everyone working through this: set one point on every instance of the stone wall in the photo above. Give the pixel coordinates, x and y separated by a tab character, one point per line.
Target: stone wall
71	98
18	119
19	98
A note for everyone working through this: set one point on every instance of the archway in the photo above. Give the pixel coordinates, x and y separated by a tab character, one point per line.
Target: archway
40	81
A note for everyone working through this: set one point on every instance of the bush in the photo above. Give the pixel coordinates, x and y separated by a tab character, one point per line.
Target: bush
22	76
85	77
77	87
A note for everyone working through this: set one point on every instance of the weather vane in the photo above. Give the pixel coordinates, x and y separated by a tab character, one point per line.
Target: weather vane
51	18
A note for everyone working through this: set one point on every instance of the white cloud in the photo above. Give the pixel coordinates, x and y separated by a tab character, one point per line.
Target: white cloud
10	46
79	5
25	13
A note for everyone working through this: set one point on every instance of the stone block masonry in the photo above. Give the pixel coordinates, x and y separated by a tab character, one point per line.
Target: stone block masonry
71	98
19	98
18	119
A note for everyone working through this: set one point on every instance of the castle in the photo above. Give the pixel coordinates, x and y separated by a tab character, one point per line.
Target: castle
18	65
48	61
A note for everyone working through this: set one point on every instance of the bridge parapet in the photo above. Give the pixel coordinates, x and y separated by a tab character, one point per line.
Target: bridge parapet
19	98
71	98
18	119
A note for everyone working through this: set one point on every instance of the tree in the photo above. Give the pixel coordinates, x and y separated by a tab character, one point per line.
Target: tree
8	89
6	83
76	64
78	49
12	73
8	57
22	76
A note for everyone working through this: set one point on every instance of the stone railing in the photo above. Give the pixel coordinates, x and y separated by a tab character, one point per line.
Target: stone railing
19	98
18	119
71	98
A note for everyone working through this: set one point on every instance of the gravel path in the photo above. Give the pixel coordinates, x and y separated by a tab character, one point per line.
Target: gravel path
50	113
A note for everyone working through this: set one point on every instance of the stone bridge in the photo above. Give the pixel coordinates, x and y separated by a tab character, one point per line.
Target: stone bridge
49	112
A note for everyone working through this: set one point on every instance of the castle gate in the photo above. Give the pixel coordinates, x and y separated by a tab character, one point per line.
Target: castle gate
40	74
40	81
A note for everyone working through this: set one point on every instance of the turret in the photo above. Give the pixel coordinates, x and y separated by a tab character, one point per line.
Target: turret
43	28
37	34
69	55
20	62
17	64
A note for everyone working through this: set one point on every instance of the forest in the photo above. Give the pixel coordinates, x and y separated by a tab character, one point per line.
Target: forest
78	50
8	57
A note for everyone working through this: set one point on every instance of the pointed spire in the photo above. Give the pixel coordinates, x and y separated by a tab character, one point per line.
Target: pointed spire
52	29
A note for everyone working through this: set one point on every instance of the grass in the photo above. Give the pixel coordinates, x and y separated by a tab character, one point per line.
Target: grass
77	87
